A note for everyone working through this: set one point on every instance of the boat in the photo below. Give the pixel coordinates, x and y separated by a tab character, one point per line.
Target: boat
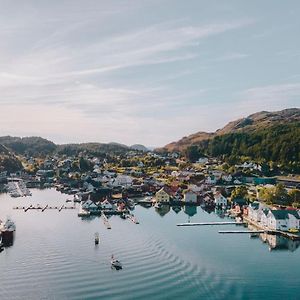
115	263
7	232
97	238
9	225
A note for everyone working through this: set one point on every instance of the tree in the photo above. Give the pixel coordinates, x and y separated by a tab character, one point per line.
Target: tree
239	192
294	194
192	153
85	165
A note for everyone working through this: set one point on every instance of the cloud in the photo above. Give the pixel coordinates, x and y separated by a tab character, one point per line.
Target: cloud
271	96
231	56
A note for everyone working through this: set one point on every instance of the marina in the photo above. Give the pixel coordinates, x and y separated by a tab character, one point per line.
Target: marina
195	257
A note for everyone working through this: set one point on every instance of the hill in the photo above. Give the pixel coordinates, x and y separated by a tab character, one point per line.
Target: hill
28	145
139	147
37	146
252	123
263	136
92	148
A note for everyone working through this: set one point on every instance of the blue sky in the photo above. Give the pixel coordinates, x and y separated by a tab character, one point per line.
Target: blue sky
141	71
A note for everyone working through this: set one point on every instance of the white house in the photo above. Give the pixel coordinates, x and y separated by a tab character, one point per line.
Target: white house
211	180
162	195
202	160
283	219
121	180
195	188
220	200
107	205
89	205
189	196
227	178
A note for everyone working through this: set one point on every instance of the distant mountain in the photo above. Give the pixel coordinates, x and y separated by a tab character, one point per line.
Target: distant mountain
139	147
28	145
92	148
252	123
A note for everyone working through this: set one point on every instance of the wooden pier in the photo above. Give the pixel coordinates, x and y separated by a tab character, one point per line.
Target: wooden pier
289	235
105	221
42	209
246	231
211	223
133	219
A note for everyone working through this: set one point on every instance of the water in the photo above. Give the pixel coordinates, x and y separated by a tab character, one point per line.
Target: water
54	257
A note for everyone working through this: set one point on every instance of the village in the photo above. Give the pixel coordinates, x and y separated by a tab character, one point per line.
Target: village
116	185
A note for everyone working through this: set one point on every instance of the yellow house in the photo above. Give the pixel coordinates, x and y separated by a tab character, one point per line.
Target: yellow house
162	196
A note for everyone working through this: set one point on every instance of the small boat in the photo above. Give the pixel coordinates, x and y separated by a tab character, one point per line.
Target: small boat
115	263
7	231
9	225
97	238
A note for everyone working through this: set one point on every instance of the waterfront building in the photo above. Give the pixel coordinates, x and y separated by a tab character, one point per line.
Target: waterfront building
220	200
162	195
189	196
283	219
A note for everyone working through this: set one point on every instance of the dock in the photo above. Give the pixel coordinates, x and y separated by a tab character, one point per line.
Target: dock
211	223
133	219
105	221
245	231
42	209
289	235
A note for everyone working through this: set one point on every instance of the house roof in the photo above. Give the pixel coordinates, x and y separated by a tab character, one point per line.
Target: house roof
240	201
284	214
254	205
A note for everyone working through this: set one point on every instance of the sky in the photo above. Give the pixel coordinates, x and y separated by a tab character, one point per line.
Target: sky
143	71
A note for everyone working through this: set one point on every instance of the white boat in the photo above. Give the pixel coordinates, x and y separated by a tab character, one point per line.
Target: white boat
9	226
115	263
97	238
7	232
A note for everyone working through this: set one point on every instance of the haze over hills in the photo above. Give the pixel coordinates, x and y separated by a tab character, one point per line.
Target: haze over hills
250	124
40	146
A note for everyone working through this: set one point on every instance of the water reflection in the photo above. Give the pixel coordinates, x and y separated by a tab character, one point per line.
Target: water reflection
163	210
190	210
7	239
277	242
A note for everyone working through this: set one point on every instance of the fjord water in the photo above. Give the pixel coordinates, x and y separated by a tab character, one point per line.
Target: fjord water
54	257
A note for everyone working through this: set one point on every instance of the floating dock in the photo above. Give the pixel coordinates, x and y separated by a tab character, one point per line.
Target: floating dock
239	231
133	219
211	223
105	221
38	207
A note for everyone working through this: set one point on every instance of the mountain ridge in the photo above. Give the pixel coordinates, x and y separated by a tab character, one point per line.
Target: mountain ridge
262	119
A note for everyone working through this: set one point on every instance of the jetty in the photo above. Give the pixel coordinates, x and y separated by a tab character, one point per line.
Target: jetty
289	235
105	221
211	223
245	231
133	219
42	209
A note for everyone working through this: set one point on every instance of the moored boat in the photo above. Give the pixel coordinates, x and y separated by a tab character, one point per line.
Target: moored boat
7	232
97	238
115	263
